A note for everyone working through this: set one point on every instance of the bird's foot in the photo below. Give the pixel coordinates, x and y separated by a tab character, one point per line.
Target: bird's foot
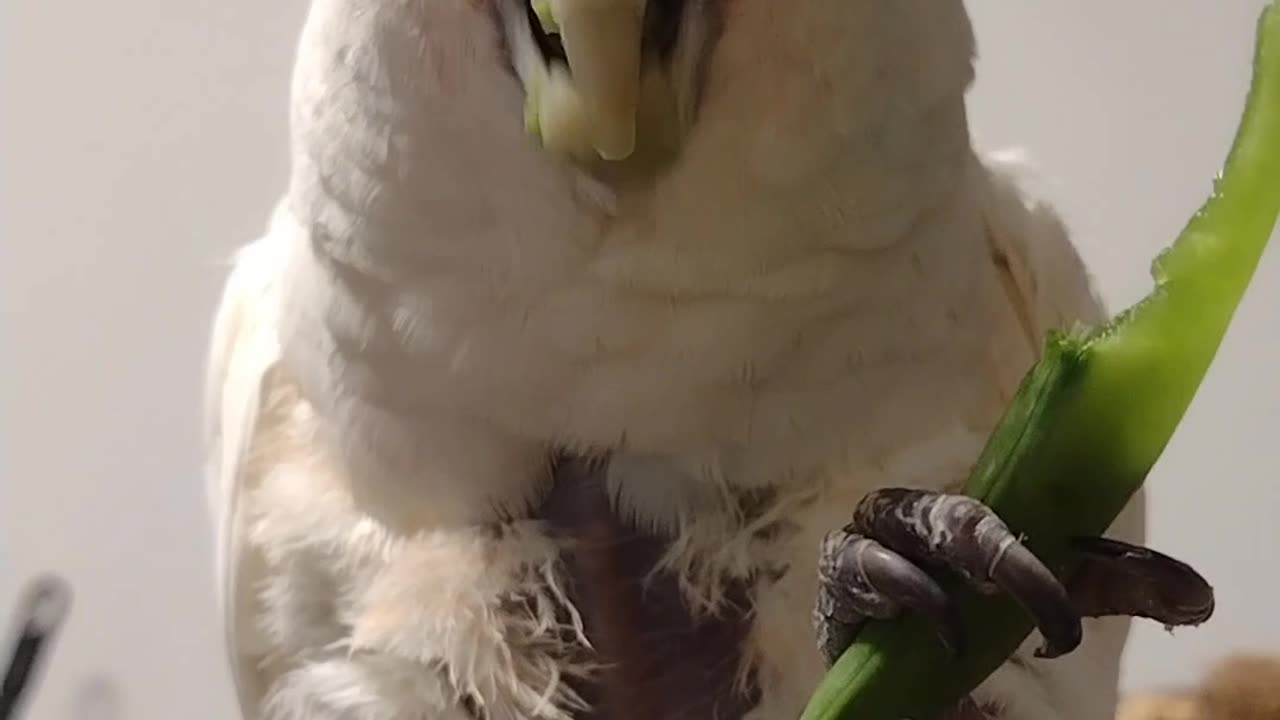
879	566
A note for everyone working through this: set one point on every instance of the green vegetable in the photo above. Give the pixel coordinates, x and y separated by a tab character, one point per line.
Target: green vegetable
546	16
1089	421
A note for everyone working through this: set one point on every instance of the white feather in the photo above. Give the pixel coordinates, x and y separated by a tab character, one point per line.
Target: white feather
244	350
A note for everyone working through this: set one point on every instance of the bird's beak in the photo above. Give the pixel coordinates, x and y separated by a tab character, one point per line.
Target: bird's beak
601	40
599	86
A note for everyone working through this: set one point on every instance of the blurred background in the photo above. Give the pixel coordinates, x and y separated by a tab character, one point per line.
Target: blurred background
144	139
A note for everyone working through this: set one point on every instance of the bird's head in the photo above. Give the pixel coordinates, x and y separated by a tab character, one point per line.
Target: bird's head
763	111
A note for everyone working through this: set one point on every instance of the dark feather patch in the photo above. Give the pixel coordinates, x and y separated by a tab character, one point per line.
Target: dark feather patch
661	662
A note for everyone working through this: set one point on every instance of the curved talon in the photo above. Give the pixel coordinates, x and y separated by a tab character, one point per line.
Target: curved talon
965	536
1116	578
1019	573
860	578
869	570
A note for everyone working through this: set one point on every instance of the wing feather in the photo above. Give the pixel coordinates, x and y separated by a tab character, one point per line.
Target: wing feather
1052	288
244	352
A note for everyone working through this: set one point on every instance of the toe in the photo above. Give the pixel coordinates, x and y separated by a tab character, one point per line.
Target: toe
1116	578
965	536
1018	572
859	578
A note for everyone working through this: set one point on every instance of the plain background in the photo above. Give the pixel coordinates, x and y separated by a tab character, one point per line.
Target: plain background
144	139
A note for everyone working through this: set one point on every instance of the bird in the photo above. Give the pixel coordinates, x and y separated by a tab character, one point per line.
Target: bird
621	359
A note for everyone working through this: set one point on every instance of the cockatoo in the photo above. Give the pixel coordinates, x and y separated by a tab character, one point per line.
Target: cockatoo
581	333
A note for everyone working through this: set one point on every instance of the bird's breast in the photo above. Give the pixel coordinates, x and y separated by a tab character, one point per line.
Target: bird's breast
659	660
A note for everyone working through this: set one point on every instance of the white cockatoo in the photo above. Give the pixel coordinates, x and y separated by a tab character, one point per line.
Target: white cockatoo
579	335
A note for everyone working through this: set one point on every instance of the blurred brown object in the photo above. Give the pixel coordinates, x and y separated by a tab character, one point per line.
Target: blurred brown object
1168	706
1241	687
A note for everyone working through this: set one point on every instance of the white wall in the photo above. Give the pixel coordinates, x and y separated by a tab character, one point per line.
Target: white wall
143	139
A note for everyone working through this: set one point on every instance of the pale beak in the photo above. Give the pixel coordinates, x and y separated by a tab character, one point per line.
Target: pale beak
608	83
602	40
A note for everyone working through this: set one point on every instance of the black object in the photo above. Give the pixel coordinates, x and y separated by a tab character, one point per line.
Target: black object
40	615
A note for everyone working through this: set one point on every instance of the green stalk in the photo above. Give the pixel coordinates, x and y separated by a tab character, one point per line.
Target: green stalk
1088	423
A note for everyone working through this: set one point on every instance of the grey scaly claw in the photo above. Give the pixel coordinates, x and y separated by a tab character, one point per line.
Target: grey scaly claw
875	567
